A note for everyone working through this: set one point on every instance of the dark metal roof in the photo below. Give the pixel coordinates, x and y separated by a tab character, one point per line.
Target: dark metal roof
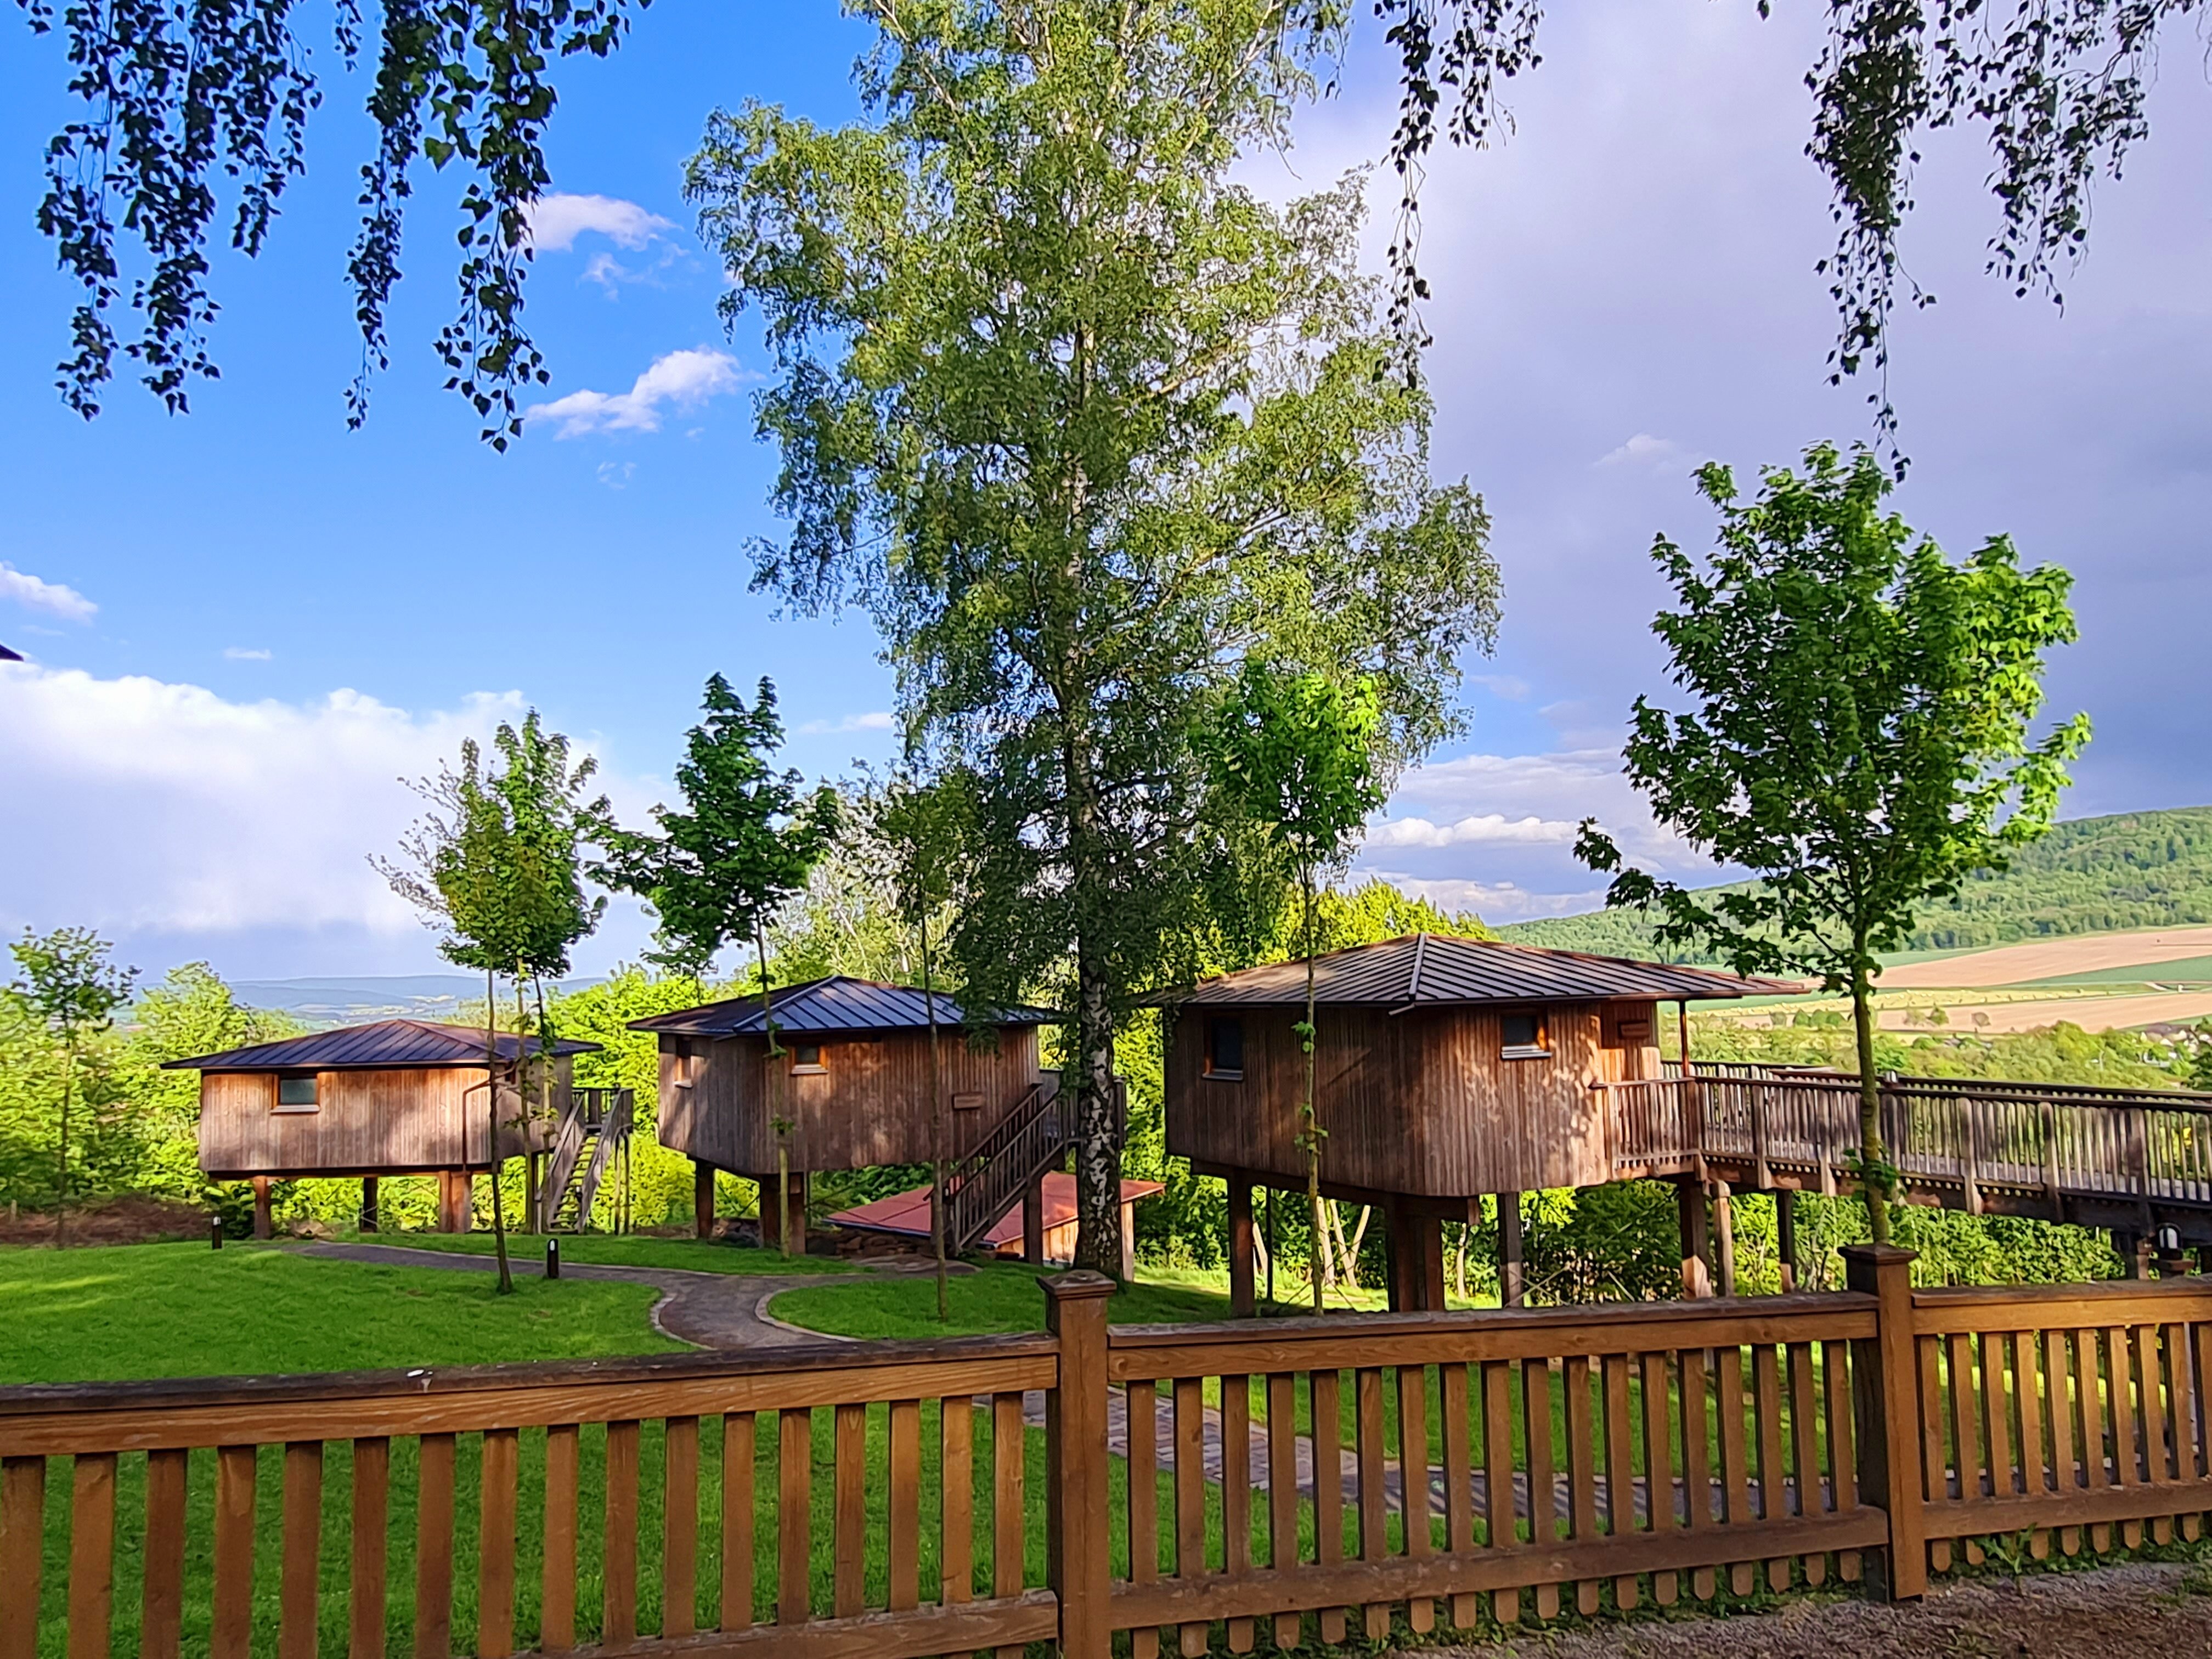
6	655
1438	969
387	1042
835	1004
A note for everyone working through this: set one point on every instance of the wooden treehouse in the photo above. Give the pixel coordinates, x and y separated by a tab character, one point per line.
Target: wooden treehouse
1446	1069
1450	1068
851	1088
404	1097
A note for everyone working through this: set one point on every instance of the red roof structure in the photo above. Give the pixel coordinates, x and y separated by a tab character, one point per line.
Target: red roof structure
907	1214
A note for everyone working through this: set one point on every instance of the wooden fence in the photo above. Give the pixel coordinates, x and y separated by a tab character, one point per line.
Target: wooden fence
1235	1484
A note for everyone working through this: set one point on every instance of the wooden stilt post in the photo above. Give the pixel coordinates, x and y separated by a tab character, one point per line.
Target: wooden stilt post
1128	1241
368	1204
1242	1301
1430	1230
702	1198
1404	1252
1724	1234
1690	1198
1033	1223
1512	1253
771	1213
799	1196
1785	1229
265	1222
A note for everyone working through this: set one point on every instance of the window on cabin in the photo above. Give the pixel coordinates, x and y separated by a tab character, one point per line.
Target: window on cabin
1525	1038
1225	1049
683	1066
296	1093
806	1060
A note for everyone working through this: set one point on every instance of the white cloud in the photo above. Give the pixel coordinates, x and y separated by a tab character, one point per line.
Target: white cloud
167	809
1511	687
1659	455
1493	900
878	720
246	653
1485	826
684	380
558	220
617	475
34	594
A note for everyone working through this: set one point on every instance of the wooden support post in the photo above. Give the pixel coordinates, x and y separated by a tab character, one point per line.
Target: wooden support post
1033	1223
798	1195
264	1223
1512	1253
702	1198
1785	1229
1403	1252
1077	1561
1243	1301
2135	1251
454	1207
1430	1231
771	1217
1724	1234
1128	1241
1886	1416
368	1204
1690	1201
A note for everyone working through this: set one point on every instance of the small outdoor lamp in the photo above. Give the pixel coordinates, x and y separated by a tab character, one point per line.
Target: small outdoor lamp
552	1258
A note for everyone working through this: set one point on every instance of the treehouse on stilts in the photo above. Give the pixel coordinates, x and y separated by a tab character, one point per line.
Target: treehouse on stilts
405	1097
1448	1070
847	1087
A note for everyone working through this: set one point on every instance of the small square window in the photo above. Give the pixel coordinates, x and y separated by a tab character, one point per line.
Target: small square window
1525	1037
1225	1049
806	1059
296	1094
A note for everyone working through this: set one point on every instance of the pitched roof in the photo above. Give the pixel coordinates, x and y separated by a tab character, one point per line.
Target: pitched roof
837	1003
386	1042
1439	970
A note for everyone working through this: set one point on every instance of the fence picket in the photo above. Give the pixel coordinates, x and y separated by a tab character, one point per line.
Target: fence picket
161	1625
231	1633
679	1524
556	1622
92	1557
495	1541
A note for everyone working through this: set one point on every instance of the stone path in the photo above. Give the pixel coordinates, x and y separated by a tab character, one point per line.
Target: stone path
710	1309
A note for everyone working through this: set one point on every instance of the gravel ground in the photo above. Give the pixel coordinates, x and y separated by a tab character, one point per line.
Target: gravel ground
2138	1612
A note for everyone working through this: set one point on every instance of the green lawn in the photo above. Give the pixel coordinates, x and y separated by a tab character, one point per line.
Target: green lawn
527	1250
115	1312
996	1298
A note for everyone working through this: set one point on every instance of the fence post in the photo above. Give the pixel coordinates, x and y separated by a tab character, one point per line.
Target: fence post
1886	1392
1076	1517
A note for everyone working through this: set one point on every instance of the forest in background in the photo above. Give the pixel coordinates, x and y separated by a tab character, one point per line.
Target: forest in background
2087	876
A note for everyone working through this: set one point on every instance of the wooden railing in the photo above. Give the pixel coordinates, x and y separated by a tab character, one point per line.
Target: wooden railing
1973	1135
986	1182
1323	1478
605	1113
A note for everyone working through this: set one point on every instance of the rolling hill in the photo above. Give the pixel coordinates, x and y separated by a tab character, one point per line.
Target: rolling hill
2133	870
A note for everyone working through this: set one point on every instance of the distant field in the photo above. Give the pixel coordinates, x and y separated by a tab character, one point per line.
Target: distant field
2090	1013
2184	972
2055	961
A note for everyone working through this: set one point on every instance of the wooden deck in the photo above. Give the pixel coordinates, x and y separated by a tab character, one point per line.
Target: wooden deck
2131	1158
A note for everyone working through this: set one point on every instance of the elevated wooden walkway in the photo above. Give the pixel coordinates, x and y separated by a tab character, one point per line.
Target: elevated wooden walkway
2131	1159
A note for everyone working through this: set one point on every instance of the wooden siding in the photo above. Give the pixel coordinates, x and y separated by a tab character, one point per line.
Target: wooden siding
869	1106
1419	1102
377	1123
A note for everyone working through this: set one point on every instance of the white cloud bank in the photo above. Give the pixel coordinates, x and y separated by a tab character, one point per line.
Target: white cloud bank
246	654
681	379
144	808
34	594
1486	827
880	720
558	220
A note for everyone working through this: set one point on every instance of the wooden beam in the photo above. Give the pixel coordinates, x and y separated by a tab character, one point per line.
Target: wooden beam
1512	1253
263	1220
702	1198
1785	1228
368	1216
1242	1301
1724	1235
1033	1223
1690	1211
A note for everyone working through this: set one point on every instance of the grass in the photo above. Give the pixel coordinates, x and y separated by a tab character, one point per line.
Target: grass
116	1312
2183	971
527	1250
996	1299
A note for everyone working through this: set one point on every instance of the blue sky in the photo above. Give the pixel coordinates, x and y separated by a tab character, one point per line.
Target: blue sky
248	624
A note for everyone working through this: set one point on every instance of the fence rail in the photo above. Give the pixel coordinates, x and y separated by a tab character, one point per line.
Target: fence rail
2054	1142
1301	1478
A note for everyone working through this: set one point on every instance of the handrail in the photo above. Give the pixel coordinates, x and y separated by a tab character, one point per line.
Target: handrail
989	1179
614	1130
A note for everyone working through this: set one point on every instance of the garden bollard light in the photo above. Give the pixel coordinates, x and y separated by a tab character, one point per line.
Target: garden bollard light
215	1232
552	1258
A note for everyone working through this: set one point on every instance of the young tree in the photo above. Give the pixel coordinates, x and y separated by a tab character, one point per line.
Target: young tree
715	872
496	864
1860	738
1082	423
65	982
1296	754
918	826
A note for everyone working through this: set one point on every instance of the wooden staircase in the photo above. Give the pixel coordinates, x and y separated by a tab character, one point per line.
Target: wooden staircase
989	1179
595	1126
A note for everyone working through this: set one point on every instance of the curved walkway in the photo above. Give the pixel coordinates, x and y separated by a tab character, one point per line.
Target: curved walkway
710	1309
